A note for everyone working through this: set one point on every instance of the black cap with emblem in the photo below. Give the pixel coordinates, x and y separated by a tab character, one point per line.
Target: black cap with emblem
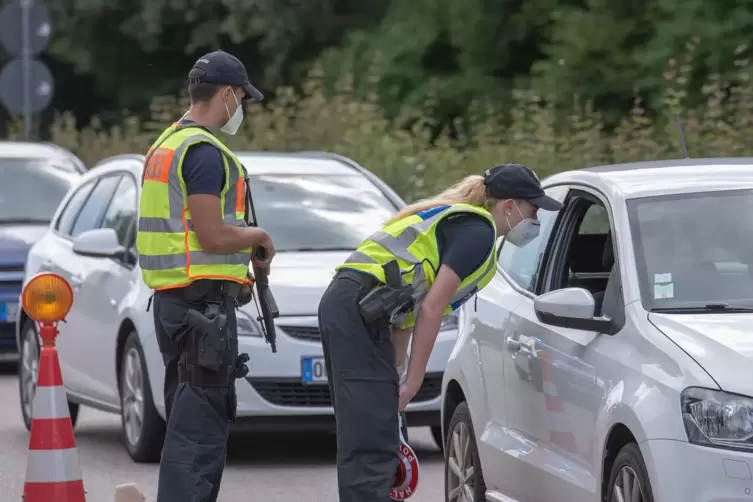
516	181
221	68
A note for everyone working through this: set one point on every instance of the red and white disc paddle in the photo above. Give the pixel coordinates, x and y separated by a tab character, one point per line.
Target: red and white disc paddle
406	477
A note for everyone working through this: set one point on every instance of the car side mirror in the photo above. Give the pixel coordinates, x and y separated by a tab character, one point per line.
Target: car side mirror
572	308
99	243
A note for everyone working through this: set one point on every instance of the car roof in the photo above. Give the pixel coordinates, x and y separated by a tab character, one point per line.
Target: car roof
270	163
663	177
30	150
296	163
282	163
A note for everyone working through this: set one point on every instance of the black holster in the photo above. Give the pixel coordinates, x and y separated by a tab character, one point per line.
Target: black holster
387	301
212	358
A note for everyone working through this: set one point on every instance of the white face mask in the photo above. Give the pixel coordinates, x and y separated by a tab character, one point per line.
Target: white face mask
234	120
524	232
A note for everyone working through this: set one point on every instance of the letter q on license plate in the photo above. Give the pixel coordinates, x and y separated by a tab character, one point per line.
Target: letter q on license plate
313	370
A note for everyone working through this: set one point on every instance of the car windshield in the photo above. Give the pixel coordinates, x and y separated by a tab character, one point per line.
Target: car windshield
318	212
30	190
694	251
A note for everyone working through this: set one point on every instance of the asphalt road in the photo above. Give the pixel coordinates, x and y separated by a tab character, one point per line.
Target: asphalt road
270	468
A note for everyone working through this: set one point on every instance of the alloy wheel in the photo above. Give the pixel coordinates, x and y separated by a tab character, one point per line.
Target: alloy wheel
627	486
29	369
133	396
460	468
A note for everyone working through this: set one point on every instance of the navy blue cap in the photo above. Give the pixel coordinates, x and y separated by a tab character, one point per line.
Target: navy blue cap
516	181
222	68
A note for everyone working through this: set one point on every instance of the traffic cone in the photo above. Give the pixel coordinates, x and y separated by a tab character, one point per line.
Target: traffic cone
53	473
565	439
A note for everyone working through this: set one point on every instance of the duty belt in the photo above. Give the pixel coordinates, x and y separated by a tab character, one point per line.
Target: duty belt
205	290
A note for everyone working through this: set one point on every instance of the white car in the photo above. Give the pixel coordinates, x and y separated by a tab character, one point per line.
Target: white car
317	207
611	358
34	178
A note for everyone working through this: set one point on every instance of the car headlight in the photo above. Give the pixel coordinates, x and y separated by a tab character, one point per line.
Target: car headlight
449	322
716	418
247	326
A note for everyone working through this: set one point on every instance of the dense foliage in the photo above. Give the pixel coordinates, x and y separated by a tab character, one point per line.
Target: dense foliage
416	161
110	56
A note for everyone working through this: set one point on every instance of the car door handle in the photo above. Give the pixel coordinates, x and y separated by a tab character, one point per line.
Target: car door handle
513	345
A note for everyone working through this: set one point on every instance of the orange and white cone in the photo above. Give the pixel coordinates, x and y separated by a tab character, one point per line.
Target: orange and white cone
53	473
556	409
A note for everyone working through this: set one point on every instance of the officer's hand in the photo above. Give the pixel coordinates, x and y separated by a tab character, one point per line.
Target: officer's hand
240	369
408	390
267	254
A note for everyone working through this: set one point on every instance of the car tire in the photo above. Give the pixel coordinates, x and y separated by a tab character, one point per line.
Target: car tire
143	437
629	467
28	366
462	472
436	433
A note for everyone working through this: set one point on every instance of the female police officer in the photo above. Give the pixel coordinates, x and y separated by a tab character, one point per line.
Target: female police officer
444	248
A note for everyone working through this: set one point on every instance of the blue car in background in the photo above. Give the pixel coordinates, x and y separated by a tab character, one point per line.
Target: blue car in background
34	178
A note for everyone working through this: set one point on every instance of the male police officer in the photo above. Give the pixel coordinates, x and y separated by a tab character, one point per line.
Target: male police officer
194	251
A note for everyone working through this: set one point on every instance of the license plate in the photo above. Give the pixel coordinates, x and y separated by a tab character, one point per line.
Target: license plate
313	370
8	312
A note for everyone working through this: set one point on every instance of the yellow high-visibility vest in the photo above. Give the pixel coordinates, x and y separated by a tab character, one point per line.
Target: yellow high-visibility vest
170	255
413	242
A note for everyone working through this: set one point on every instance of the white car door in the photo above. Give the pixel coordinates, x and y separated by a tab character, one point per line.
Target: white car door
553	394
490	319
73	353
508	370
104	285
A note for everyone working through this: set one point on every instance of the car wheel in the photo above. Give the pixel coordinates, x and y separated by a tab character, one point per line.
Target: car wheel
28	367
629	479
143	428
463	479
436	433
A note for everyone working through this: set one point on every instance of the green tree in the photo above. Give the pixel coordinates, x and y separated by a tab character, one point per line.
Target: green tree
108	56
449	53
590	54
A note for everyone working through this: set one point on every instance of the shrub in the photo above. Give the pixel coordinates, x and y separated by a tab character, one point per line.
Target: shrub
415	162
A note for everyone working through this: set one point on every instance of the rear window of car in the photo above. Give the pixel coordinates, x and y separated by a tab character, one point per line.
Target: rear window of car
318	212
31	190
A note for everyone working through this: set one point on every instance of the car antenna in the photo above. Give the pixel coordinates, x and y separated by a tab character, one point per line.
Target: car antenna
682	137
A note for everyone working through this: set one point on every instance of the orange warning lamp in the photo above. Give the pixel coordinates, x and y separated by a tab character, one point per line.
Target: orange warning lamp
47	298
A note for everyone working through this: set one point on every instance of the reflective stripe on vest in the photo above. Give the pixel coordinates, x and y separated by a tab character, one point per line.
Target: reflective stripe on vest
412	240
169	251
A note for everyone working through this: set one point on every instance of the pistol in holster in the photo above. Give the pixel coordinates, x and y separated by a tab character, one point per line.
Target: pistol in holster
211	326
213	342
389	300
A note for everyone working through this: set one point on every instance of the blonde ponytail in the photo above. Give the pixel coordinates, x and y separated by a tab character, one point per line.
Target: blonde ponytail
470	190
